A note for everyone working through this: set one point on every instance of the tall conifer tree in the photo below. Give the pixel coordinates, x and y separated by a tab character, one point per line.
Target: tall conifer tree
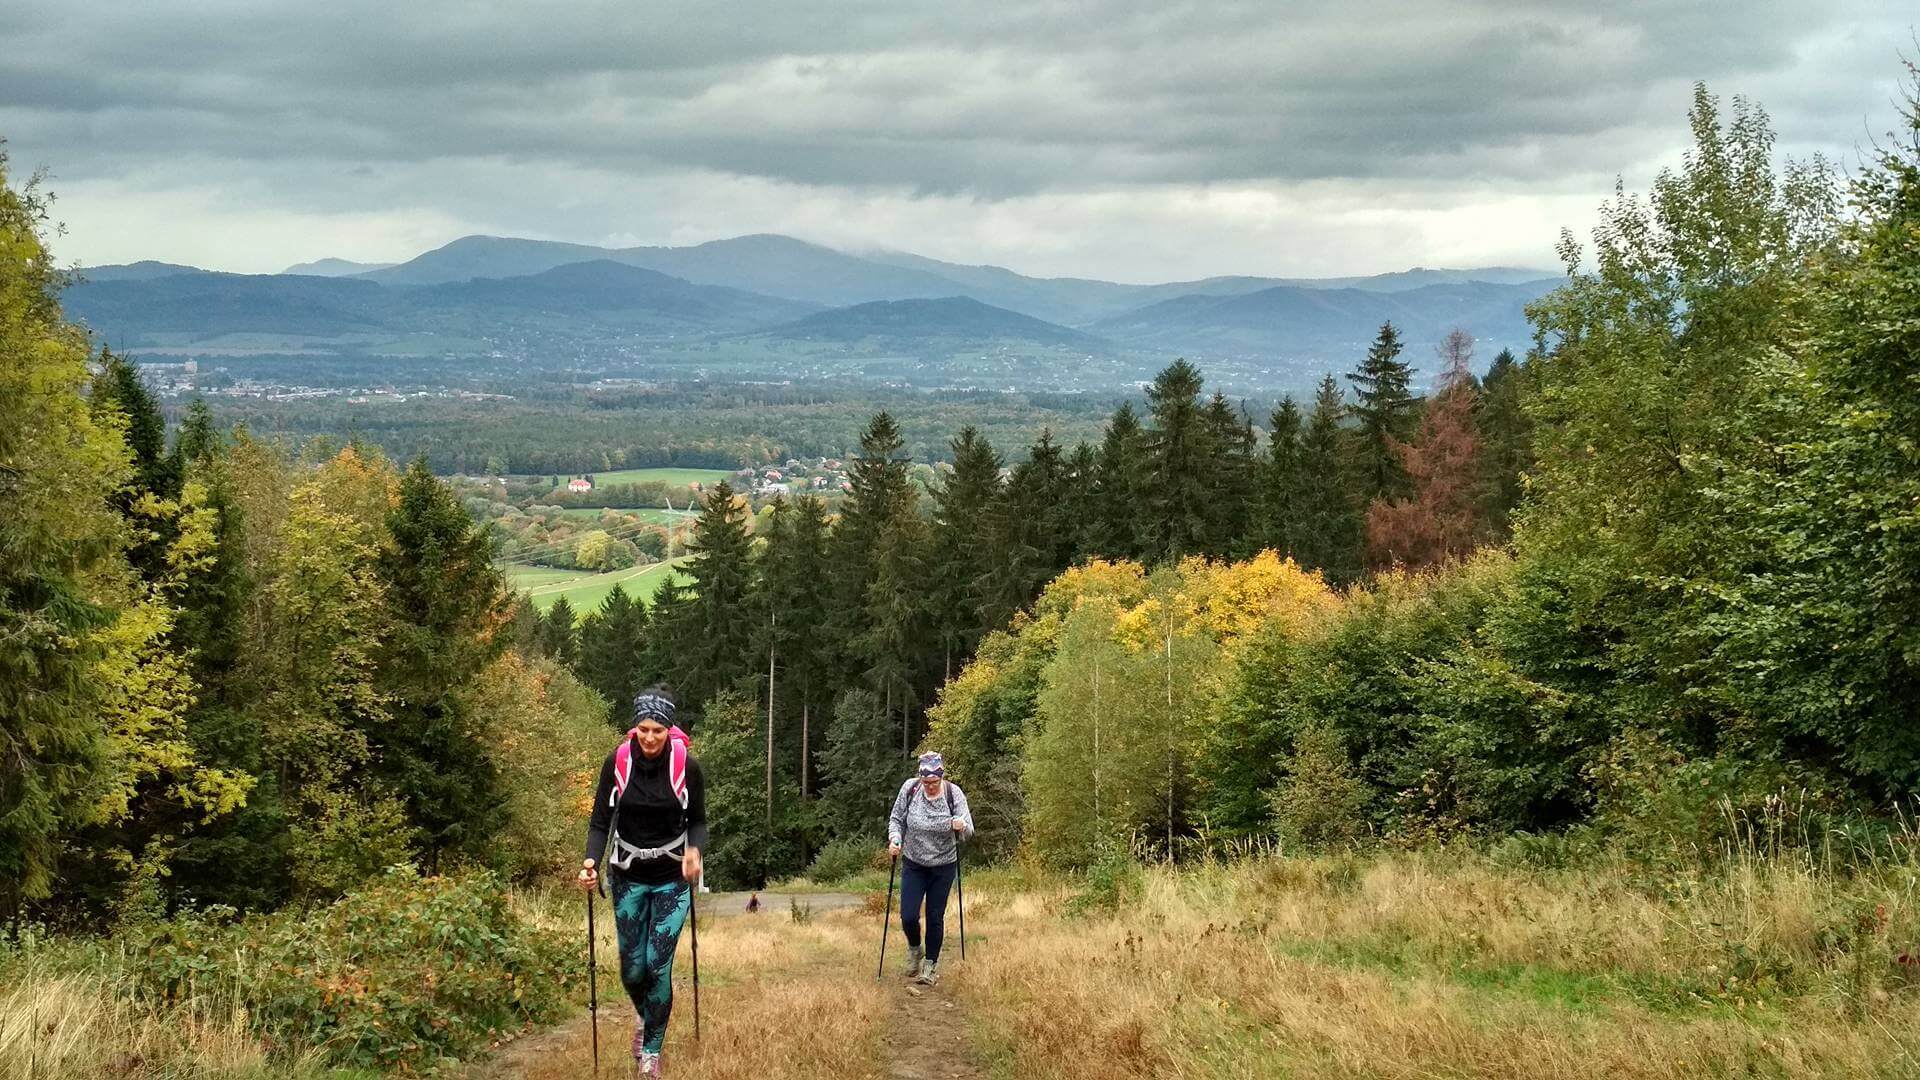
445	600
1328	515
720	629
1384	409
1181	457
1277	505
1119	481
964	506
1231	504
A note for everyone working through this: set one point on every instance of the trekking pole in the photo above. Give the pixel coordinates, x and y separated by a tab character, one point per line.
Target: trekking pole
885	919
960	884
693	920
593	986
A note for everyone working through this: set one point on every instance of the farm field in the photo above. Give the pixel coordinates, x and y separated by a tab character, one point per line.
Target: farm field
650	514
680	477
584	591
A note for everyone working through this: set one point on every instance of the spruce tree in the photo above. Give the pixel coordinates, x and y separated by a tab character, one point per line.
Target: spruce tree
1327	534
559	634
1231	503
1031	539
801	569
120	386
863	766
720	628
1181	457
1079	510
964	507
880	492
671	626
444	598
1505	431
612	640
1120	480
1277	525
1384	409
523	626
197	441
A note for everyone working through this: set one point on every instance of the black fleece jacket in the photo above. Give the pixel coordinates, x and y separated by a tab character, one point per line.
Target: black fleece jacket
649	816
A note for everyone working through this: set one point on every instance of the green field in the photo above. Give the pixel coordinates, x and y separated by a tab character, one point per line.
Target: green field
584	591
649	514
676	477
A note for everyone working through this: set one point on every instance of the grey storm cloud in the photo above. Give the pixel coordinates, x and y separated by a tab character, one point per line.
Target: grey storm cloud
325	104
933	97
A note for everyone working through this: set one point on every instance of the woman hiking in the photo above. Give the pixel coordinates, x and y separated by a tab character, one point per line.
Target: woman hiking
930	818
652	805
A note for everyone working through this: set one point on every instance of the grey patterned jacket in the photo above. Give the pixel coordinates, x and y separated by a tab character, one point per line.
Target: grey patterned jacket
927	824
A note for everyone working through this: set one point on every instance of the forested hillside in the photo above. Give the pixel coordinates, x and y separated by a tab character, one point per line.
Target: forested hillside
1645	600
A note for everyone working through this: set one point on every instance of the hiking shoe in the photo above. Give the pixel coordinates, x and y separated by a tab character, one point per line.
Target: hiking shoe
914	955
649	1066
929	973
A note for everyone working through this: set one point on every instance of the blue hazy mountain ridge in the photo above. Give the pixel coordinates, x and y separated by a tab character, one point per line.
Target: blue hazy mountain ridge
773	265
796	269
143	270
900	324
1291	319
784	290
334	268
585	296
614	294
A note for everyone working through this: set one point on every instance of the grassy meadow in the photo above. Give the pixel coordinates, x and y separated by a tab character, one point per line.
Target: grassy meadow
676	477
585	590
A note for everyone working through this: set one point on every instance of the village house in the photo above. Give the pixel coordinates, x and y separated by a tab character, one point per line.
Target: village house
579	484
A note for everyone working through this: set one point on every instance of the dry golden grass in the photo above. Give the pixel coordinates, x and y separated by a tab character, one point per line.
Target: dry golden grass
1422	966
1426	965
780	1000
70	1025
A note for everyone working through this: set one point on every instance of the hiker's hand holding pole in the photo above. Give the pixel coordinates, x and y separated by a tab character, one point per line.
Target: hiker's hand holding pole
589	877
690	864
959	826
893	851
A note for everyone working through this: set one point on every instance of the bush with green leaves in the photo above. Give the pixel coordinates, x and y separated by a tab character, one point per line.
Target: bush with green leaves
401	974
1321	803
845	857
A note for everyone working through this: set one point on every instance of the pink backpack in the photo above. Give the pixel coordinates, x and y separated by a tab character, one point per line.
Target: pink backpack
677	747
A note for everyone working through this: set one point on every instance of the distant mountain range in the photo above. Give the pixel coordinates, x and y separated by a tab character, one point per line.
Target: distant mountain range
334	268
497	296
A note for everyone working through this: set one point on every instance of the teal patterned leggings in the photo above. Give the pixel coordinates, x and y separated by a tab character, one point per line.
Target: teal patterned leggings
648	919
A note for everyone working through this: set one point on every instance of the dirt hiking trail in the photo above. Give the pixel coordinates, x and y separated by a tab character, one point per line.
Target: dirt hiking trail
787	993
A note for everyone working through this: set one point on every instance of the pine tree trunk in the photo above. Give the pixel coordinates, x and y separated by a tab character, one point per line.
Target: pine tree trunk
770	657
1169	735
1096	752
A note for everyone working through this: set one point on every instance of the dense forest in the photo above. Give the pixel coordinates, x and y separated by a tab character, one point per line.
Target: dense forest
1652	589
1658	568
553	427
1652	581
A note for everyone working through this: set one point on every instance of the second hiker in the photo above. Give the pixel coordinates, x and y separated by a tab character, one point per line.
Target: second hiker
930	818
652	800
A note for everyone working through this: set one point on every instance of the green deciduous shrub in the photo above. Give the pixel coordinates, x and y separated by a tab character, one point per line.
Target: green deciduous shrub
399	975
842	859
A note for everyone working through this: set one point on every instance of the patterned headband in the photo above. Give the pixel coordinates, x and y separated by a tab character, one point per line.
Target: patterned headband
653	707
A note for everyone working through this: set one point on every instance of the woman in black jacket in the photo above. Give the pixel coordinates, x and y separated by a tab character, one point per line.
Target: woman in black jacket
651	805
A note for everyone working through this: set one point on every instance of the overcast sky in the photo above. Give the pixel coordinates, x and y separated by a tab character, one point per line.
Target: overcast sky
1132	141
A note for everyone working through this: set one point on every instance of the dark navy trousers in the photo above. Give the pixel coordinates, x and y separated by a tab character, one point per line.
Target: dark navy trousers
932	884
